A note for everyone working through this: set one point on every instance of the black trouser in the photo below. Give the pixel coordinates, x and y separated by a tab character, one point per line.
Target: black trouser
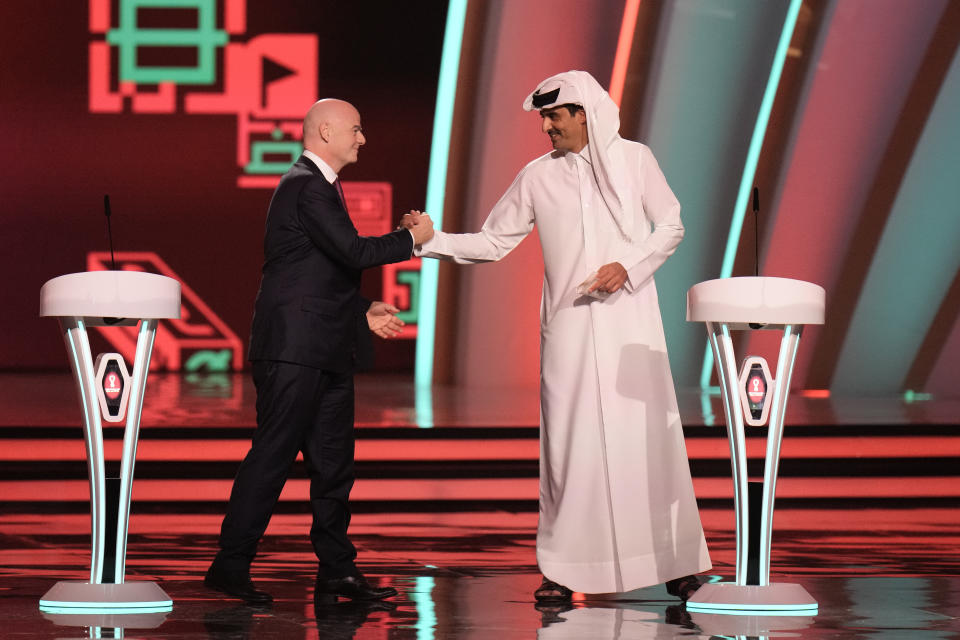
298	409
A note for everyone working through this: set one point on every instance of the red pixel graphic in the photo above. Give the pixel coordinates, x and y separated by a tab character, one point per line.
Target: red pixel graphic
199	339
267	82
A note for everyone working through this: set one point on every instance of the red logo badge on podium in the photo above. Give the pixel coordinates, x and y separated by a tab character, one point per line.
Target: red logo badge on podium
755	381
113	386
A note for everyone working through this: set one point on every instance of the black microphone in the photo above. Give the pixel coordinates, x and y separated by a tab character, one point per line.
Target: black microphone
106	212
756	243
113	264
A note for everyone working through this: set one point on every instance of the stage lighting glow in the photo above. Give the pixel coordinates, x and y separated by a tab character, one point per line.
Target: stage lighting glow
424	403
622	59
436	184
426	614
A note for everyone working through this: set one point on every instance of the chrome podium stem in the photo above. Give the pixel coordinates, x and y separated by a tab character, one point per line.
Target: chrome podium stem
138	384
778	410
81	363
723	356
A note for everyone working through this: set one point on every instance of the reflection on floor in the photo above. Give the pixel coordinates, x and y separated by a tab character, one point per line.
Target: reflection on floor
866	519
876	574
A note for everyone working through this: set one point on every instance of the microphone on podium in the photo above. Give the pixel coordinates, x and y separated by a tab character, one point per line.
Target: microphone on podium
113	263
756	241
106	212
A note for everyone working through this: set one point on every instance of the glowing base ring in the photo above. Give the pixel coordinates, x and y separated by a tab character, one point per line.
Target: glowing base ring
778	598
71	596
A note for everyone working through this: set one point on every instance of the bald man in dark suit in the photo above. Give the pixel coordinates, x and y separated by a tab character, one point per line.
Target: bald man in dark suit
303	348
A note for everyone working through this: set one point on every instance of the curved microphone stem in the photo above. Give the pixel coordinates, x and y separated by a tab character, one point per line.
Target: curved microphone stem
106	212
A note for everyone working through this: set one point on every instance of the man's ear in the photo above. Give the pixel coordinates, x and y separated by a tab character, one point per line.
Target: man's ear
324	130
581	117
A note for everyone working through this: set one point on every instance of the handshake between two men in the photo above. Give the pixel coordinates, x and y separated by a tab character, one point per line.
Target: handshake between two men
606	280
419	224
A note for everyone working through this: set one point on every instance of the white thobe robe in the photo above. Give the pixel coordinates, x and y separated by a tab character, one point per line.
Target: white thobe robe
617	508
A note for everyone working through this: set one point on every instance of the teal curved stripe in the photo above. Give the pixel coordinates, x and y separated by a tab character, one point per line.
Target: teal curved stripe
436	184
750	167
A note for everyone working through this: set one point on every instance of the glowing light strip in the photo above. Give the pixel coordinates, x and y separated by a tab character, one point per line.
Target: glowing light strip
622	58
141	366
476	449
93	433
102	607
108	606
423	405
781	391
750	167
723	346
422	596
448	490
754	609
436	184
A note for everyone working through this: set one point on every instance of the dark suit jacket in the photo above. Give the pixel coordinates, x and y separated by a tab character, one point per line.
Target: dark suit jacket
308	306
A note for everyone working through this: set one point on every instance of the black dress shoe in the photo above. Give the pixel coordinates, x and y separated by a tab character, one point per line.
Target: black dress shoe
353	587
550	611
236	585
550	592
683	587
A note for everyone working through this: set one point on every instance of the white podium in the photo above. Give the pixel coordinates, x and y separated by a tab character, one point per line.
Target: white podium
108	298
754	303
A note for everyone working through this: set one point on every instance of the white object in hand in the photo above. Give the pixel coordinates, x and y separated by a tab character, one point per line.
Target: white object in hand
583	289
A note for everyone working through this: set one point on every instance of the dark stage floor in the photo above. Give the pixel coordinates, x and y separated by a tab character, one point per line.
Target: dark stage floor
867	517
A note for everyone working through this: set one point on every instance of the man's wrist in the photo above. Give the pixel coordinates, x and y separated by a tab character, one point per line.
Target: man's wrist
413	240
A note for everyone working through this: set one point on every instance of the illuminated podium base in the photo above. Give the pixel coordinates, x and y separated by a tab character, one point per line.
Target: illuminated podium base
779	599
70	596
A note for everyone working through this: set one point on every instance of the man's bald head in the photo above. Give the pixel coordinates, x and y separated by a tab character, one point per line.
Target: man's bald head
331	129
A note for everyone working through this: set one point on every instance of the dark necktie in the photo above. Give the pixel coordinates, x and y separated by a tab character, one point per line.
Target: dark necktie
343	200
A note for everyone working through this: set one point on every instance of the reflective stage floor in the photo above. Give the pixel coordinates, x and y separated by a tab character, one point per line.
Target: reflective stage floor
866	521
876	574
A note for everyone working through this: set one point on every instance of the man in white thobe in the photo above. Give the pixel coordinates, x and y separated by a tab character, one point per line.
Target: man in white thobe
617	508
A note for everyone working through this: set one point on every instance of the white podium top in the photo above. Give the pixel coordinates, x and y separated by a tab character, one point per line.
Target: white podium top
113	294
750	300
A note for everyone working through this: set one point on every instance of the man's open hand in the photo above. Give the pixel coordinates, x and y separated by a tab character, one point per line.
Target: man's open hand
383	321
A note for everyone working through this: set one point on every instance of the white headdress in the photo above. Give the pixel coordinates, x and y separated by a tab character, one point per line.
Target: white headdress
603	129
